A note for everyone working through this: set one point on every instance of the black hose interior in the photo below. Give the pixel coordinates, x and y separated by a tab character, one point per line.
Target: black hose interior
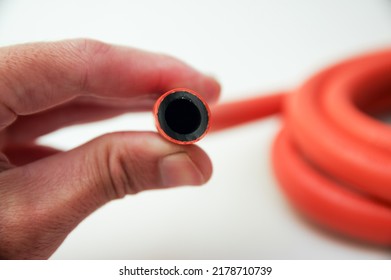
183	116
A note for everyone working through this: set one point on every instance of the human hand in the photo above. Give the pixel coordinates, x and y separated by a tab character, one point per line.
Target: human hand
45	193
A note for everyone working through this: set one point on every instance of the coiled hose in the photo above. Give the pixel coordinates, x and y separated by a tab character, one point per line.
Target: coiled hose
332	157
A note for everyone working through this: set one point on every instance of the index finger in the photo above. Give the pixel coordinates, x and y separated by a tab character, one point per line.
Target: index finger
35	77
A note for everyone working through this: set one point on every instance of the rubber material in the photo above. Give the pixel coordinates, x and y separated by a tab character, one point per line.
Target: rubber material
182	116
332	156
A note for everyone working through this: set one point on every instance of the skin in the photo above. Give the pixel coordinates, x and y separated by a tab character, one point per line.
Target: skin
46	193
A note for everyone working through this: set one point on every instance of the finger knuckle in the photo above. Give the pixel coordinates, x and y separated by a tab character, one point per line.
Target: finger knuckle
118	168
87	52
131	163
90	47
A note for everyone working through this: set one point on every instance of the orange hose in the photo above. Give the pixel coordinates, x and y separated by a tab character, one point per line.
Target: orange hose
332	157
196	112
237	112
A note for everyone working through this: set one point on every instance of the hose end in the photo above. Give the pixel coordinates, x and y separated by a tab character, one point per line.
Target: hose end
182	116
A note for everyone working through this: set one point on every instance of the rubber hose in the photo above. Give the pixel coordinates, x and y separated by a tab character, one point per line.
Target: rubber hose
332	157
181	116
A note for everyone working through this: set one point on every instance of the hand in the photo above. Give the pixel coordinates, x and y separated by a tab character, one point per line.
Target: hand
45	193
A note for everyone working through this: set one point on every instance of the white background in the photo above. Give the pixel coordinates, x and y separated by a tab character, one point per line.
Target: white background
251	47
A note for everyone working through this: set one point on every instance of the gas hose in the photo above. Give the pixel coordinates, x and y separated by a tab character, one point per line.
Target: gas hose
332	157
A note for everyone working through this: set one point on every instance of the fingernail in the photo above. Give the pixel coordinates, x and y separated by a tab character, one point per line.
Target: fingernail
178	170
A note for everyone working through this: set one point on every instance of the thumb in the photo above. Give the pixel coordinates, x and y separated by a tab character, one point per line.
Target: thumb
49	197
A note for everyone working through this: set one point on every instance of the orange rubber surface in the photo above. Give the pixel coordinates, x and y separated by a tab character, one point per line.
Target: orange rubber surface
332	157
